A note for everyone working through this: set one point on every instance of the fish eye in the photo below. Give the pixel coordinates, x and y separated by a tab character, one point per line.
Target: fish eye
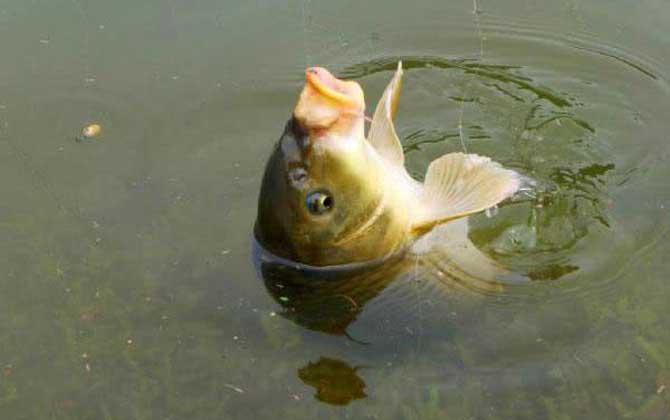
319	202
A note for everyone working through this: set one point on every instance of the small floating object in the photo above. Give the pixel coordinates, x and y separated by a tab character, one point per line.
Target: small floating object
89	132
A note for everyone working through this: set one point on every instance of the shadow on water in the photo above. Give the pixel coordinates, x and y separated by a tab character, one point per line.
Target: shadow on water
335	381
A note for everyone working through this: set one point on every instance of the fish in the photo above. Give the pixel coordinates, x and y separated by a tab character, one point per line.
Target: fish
333	197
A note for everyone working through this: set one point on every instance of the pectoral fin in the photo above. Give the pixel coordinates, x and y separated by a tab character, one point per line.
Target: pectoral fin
459	184
382	134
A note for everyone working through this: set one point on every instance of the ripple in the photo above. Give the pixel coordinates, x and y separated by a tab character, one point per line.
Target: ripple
531	31
563	115
483	71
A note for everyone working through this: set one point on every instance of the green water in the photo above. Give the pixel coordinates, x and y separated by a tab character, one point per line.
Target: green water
127	285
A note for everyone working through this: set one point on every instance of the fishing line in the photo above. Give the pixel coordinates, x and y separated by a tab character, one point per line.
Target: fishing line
305	32
41	180
87	39
476	12
415	281
39	177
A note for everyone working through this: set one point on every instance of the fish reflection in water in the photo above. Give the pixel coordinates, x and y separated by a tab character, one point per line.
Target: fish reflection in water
328	303
330	300
335	381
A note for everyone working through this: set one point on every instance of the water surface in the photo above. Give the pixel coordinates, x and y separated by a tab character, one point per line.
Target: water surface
126	275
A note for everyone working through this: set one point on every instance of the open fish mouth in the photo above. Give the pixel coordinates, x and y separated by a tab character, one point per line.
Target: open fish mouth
326	100
331	87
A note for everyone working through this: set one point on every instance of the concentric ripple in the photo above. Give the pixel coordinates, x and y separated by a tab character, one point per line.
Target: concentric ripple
583	120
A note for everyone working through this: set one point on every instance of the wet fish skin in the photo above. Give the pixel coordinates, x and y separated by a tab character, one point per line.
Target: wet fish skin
330	196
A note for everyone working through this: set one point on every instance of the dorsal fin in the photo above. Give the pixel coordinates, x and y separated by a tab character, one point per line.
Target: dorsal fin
382	134
459	184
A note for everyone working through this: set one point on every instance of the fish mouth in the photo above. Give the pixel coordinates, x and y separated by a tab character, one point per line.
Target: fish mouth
345	92
328	103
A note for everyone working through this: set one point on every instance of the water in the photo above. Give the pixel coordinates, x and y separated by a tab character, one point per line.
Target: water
126	275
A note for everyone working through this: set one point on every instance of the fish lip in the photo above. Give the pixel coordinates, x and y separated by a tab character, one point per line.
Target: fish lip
328	104
329	86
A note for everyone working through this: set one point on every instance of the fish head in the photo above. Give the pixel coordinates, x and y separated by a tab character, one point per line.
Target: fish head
321	196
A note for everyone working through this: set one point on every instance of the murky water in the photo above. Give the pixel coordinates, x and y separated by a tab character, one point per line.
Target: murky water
127	282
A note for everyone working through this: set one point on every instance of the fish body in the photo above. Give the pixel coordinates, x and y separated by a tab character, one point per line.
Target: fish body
330	196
